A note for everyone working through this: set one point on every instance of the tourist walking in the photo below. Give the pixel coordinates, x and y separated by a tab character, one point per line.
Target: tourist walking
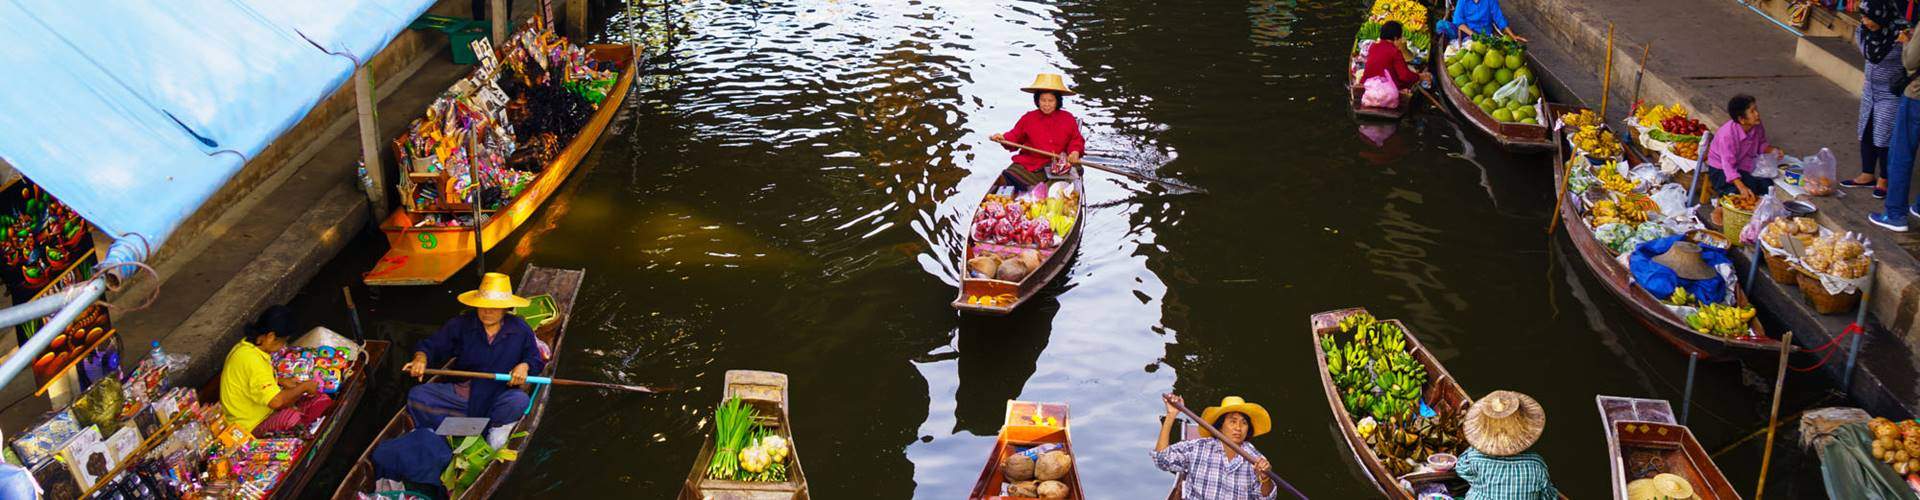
1900	147
1878	41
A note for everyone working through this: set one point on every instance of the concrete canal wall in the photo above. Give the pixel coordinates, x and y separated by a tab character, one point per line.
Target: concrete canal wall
1702	53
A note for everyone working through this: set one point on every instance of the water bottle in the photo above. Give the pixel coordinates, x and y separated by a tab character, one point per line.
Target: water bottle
1037	451
157	355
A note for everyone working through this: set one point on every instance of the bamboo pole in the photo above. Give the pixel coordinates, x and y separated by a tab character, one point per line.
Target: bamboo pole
1606	75
497	14
1779	383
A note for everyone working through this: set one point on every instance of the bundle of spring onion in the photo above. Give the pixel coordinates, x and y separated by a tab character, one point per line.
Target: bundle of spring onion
743	450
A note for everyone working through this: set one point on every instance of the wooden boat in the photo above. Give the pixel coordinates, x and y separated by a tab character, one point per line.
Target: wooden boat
429	255
1648	310
1517	137
563	285
1643	440
767	392
1028	424
1441	393
1053	261
1407	97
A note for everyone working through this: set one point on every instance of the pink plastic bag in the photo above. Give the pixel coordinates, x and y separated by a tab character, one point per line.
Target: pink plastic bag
1380	93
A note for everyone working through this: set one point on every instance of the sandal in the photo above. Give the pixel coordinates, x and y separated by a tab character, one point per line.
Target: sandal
1850	183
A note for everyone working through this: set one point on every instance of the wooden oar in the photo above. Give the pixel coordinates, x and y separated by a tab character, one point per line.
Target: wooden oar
1114	168
549	381
1208	426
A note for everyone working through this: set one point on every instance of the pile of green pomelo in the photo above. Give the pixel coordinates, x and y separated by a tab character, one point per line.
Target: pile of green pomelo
1480	71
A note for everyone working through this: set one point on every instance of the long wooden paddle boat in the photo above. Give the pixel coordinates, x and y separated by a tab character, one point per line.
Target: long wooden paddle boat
989	295
1608	266
1028	425
766	392
1355	89
428	255
559	287
1516	137
1441	393
1644	442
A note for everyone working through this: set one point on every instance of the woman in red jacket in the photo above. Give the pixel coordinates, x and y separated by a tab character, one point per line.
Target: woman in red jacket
1047	128
1385	60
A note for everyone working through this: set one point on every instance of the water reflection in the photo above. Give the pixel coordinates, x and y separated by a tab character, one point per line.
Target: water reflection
996	357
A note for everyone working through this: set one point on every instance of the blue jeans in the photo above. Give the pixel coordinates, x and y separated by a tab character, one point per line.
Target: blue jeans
1900	151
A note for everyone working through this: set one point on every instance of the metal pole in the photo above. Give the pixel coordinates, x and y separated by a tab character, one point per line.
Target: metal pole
370	140
479	245
1686	395
1699	170
37	309
1753	267
54	327
1859	320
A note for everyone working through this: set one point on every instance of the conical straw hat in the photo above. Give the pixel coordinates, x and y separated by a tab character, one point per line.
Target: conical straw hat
1048	82
1504	423
496	292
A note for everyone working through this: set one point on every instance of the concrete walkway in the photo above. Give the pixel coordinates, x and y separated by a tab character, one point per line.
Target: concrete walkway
1706	51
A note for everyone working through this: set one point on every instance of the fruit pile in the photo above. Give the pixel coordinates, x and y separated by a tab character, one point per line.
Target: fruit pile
1610	178
1611	212
1040	218
1721	320
1686	149
1412	15
1581	119
1375	374
1651	117
1481	67
1838	255
1405	444
1781	228
1741	202
1897	444
1596	142
1683	125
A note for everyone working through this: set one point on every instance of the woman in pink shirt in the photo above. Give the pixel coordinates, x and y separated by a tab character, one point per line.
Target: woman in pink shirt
1735	145
1047	128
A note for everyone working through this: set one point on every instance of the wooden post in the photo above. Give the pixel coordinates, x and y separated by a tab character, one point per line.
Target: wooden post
1606	75
1779	384
498	15
577	12
370	140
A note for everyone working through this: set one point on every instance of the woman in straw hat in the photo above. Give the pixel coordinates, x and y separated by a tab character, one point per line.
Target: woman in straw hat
1215	472
1047	128
485	340
1497	466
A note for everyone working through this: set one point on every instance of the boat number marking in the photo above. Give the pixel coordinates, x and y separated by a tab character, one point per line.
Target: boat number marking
427	240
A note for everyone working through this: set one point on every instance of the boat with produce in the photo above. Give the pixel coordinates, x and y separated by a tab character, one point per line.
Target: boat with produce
1417	31
1606	215
1653	457
1021	240
1033	458
1476	74
752	454
1395	405
553	292
430	237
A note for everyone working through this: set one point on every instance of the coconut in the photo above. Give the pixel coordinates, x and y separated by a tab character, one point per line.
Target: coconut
1024	489
1012	270
1017	467
1053	465
986	265
1053	489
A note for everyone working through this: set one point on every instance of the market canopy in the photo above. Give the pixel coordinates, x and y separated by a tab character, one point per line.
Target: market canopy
134	112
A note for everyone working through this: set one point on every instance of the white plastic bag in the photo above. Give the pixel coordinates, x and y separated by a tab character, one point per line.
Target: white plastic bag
1514	91
1672	200
320	336
1817	173
1381	93
1766	211
1646	174
1766	166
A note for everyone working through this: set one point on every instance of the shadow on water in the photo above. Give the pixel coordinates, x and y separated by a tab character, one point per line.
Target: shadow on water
996	357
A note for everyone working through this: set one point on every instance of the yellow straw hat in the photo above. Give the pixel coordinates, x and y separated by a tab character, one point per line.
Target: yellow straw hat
1048	82
1256	414
1504	423
496	292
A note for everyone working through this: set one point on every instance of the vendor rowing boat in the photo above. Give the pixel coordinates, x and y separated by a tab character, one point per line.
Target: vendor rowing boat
1472	83
1027	226
562	285
1608	265
1033	457
1440	393
1651	456
1407	25
423	252
764	396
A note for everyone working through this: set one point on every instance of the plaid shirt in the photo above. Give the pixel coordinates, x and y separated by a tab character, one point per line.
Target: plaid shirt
1210	476
1517	477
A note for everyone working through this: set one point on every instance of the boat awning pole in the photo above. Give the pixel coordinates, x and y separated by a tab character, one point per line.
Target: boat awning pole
497	13
78	302
370	140
38	308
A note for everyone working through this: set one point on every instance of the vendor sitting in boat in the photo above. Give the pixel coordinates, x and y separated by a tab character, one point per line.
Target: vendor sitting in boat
252	396
1735	146
1672	263
487	340
1499	428
1384	60
1472	17
1047	128
1215	472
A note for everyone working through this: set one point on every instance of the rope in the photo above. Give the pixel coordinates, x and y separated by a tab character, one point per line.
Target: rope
1830	347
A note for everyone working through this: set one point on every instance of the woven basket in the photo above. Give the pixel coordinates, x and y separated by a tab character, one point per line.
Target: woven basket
1822	301
1781	270
1732	221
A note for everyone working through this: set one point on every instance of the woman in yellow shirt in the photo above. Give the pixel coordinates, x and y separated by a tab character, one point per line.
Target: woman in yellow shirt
253	398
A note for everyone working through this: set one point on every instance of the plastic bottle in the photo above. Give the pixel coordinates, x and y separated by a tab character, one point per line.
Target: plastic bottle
1035	452
157	355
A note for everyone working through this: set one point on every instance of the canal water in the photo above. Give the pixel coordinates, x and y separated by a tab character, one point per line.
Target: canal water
790	189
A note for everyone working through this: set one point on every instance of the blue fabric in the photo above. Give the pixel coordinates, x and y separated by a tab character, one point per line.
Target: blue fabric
464	340
1481	16
429	404
17	484
135	112
1906	136
418	456
1660	280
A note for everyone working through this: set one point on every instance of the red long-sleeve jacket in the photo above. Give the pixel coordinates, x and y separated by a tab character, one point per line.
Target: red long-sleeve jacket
1383	58
1057	132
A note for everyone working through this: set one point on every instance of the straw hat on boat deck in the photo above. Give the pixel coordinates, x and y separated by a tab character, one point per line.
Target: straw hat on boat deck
1048	82
1504	423
1684	259
496	292
1256	414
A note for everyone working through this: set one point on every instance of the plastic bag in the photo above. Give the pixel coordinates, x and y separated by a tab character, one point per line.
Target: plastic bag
1766	211
1671	198
1817	173
320	336
1514	91
1381	93
1646	174
1766	166
101	406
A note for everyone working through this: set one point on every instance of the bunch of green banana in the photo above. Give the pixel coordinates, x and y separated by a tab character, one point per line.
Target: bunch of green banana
1680	297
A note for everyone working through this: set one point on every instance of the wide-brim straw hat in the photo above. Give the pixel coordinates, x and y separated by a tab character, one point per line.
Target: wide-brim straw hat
1684	259
496	292
1504	423
1256	414
1048	82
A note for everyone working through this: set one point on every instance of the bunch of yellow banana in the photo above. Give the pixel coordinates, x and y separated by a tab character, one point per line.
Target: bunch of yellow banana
1721	320
1651	117
1411	14
1680	297
1596	142
1581	119
1611	179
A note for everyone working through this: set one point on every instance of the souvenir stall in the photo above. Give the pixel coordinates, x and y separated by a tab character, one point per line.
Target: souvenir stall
48	248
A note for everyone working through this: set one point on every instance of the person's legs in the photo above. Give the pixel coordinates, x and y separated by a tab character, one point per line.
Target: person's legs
1022	177
428	404
293	418
1900	153
1719	182
1871	159
1759	185
508	407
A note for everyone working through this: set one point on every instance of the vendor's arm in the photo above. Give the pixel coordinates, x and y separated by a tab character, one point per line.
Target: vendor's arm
1459	18
287	397
1171	457
439	347
1402	75
1910	57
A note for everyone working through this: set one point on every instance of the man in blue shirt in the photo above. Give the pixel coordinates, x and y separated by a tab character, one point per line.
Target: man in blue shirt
487	340
1472	17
